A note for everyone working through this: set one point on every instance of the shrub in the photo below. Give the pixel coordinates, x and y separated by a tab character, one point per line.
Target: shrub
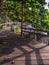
17	29
1	27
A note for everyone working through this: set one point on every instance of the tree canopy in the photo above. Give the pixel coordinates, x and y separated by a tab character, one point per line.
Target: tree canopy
34	12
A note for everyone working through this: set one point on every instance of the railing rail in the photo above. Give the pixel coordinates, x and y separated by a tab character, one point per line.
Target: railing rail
35	31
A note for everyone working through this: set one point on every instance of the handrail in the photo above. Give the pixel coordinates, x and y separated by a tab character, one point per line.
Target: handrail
6	23
35	29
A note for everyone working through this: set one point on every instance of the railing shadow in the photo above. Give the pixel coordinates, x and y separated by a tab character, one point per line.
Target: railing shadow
9	44
18	43
38	55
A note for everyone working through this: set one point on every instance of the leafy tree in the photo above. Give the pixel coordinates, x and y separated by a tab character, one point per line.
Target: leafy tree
14	9
45	21
33	11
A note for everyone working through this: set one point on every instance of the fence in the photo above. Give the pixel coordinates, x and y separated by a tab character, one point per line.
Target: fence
35	31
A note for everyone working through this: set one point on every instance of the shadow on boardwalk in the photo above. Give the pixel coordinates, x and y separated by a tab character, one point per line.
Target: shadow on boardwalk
19	42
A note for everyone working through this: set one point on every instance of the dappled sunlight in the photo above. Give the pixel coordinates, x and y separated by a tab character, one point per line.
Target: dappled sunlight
28	49
22	49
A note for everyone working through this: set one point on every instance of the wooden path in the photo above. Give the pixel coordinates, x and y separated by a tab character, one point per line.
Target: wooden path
24	52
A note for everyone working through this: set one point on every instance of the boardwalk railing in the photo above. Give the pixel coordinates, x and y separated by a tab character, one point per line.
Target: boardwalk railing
35	31
30	30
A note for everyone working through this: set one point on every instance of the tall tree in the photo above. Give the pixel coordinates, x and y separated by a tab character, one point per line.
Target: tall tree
32	10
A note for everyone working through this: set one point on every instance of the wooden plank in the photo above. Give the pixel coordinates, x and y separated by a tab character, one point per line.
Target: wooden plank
29	54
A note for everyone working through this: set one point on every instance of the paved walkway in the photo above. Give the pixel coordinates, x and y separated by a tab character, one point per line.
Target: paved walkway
23	51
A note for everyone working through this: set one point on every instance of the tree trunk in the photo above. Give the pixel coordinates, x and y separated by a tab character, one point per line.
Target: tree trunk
12	28
22	18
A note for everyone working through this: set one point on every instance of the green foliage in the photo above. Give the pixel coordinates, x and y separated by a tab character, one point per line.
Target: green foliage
46	19
14	9
39	27
42	2
17	29
1	27
1	18
33	12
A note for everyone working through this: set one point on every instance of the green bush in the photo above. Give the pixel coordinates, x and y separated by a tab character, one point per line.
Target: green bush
17	29
39	27
1	27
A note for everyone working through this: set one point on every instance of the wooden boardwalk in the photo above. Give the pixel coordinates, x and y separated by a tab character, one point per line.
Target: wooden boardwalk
24	52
